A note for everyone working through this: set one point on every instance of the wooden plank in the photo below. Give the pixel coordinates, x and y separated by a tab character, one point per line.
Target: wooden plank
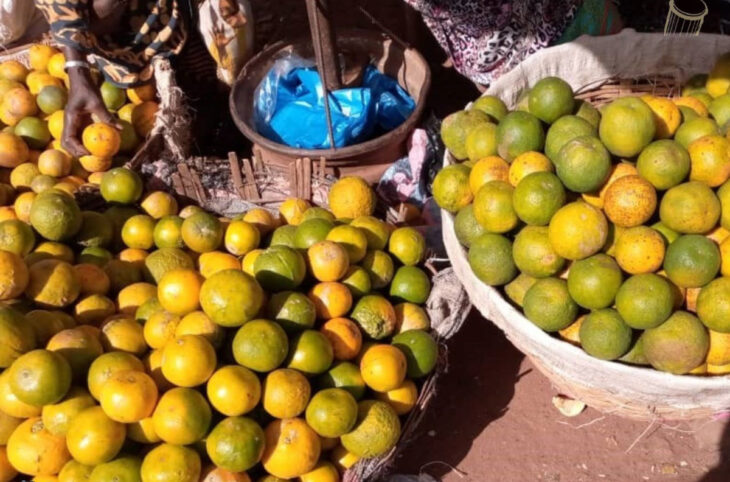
236	174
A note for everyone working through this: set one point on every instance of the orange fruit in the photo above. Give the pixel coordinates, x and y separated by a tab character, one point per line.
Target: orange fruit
691	207
231	298
92	279
578	230
179	291
188	361
292	310
331	300
310	352
285	393
17	104
525	164
143	431
142	93
241	237
640	250
159	204
410	316
217	474
215	261
202	232
143	117
332	412
40	377
14	275
55	124
56	66
630	201
666	115
7	471
93	438
123	333
128	396
352	239
351	197
73	471
234	390
328	260
33	450
402	399
11	405
57	417
262	219
235	444
160	328
292	210
121	186
280	268
383	367
79	347
627	126
375	315
492	168
292	448
106	365
95	164
376	432
101	139
182	416
407	245
493	207
260	345
8	424
13	150
171	462
345	337
39	55
710	160
93	309
198	323
133	296
54	163
693	103
451	189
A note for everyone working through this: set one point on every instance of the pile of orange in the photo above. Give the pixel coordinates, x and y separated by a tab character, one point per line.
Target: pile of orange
149	342
33	96
610	227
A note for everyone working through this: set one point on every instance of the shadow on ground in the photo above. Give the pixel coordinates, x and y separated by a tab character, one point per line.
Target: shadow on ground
480	383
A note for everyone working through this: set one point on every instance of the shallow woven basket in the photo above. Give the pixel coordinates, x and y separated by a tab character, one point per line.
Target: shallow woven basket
599	70
170	135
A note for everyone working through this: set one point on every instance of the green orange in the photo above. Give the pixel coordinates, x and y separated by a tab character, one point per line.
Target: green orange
645	301
260	345
548	304
490	257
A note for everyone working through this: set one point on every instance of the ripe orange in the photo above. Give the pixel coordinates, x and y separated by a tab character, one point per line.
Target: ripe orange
383	367
234	390
328	260
107	365
188	361
179	291
241	237
292	448
33	450
93	438
331	300
345	337
101	139
182	416
123	333
128	396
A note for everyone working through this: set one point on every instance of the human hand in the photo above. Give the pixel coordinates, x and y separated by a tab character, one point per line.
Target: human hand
84	100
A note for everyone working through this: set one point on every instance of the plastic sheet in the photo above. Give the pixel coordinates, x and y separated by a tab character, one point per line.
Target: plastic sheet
289	106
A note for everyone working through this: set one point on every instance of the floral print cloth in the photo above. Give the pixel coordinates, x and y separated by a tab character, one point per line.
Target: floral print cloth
487	38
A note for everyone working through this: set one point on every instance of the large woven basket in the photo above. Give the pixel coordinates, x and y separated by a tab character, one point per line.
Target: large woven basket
600	69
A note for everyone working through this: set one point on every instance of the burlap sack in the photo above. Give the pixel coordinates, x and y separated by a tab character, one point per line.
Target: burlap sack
635	392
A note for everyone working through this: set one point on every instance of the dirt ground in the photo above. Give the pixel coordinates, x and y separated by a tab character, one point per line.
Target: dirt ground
493	420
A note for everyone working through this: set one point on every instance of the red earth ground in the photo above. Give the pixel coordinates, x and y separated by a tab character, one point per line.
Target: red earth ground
493	420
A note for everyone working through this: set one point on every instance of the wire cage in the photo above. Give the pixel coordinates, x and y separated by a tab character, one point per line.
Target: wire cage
685	17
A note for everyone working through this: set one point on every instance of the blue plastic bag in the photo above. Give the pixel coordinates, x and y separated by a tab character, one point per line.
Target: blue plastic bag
289	107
